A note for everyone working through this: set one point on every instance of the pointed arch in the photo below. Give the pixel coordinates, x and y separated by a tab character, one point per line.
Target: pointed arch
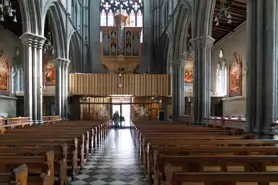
181	31
58	29
166	52
202	19
75	54
25	16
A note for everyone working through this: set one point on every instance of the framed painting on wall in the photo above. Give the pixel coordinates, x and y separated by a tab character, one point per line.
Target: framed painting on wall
49	72
4	74
189	71
235	76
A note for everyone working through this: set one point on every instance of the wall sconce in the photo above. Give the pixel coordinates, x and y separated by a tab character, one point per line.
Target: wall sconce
120	85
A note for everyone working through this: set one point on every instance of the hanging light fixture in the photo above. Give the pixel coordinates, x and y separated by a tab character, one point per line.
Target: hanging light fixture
6	10
224	12
48	47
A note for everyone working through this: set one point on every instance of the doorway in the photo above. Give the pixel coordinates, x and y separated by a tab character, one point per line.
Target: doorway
123	106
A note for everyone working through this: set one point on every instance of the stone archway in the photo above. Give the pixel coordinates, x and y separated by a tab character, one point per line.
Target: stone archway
181	32
57	30
166	52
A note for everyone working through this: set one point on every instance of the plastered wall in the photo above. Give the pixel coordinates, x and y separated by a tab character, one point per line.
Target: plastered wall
235	42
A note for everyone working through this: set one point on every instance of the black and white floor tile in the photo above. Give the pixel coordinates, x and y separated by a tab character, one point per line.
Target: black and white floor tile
114	163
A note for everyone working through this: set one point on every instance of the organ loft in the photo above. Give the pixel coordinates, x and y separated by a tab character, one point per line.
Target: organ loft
121	45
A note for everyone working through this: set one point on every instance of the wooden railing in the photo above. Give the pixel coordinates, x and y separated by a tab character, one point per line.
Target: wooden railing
51	119
11	123
126	84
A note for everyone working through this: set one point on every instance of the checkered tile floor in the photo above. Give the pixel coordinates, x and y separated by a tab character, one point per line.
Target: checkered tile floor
114	163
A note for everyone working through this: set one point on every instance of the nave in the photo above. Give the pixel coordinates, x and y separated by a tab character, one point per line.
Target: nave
115	162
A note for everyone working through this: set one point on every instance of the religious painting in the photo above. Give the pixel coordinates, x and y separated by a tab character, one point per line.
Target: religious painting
235	76
189	71
49	72
4	74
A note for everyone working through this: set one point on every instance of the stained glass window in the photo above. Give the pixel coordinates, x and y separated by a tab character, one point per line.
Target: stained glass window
139	19
132	18
111	18
131	8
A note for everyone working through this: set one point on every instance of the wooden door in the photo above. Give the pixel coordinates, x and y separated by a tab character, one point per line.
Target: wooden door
154	115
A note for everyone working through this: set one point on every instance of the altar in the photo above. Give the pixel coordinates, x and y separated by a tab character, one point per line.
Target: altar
234	106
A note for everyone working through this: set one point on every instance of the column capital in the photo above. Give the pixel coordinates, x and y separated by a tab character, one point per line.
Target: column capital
202	42
66	63
32	40
178	64
61	62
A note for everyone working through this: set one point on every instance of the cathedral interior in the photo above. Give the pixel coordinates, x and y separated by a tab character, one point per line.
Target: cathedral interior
196	63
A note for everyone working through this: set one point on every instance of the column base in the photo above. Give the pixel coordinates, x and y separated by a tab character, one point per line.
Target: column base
264	136
37	122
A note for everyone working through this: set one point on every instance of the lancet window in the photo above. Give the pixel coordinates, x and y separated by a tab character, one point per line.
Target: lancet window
221	76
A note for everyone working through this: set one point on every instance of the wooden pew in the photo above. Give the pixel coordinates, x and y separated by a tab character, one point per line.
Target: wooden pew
59	130
194	141
38	138
72	154
40	168
53	135
216	164
200	143
60	158
183	178
186	140
18	176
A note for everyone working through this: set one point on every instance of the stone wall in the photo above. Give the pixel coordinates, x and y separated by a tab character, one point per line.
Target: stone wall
235	42
9	42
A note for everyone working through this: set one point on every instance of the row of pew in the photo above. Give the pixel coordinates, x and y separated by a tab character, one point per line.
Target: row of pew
177	154
48	154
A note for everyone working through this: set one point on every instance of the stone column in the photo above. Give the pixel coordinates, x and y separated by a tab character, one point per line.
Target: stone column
178	89
94	39
260	89
65	89
202	77
148	30
38	75
58	87
32	48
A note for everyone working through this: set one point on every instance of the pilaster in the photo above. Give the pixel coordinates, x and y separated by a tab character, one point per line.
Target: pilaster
202	77
32	51
178	89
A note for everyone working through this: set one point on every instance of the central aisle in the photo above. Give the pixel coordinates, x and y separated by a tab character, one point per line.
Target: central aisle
115	163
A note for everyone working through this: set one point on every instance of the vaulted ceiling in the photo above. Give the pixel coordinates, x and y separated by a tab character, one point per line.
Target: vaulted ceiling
15	27
238	12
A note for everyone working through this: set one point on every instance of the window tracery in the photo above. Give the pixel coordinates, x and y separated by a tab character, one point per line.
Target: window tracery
131	8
